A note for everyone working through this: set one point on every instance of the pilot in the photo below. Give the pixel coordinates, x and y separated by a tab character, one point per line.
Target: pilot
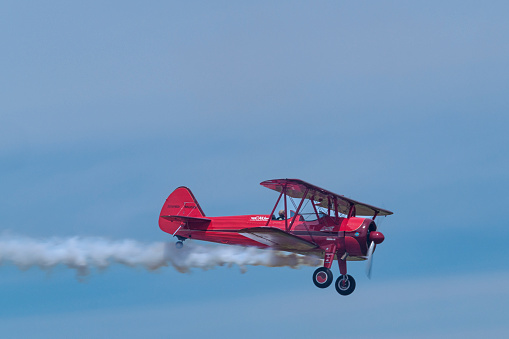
282	215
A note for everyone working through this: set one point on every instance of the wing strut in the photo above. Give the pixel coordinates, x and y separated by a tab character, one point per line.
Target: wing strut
314	207
352	211
298	208
374	216
317	217
286	208
274	209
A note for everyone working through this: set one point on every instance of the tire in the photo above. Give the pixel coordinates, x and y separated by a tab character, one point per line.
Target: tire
345	287
322	277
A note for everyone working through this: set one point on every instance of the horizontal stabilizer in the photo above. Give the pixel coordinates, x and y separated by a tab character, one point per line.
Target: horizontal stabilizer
190	222
277	239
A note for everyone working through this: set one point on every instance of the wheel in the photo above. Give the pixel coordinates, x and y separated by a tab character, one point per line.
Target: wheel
179	244
322	277
345	284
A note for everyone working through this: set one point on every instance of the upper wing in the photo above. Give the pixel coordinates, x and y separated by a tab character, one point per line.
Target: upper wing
296	188
277	239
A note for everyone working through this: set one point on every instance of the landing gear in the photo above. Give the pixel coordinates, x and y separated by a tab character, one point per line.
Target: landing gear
345	284
180	243
322	277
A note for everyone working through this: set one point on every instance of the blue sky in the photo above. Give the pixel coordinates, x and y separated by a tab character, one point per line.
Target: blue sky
107	107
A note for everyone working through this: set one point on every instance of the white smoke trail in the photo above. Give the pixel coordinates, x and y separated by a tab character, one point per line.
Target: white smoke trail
84	254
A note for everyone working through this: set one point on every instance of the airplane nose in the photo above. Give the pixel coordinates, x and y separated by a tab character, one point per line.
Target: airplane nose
376	237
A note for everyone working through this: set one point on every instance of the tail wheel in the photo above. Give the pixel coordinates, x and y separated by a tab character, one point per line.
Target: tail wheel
345	284
179	244
322	277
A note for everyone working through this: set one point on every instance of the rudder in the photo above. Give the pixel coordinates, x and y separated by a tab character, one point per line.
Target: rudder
180	202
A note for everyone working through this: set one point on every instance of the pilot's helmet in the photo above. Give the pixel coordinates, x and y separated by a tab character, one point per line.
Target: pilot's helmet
282	213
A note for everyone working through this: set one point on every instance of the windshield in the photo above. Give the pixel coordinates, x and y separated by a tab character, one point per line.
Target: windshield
312	216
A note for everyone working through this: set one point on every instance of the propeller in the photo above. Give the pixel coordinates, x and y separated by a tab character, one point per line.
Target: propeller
369	263
376	238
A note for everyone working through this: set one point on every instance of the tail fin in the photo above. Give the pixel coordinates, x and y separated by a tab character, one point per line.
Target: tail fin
181	202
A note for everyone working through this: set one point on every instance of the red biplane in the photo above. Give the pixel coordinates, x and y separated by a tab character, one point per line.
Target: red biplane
335	229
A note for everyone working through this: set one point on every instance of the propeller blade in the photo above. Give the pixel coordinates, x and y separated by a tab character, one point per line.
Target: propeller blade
369	263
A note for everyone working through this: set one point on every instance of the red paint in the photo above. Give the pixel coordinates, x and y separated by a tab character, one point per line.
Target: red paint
329	236
377	237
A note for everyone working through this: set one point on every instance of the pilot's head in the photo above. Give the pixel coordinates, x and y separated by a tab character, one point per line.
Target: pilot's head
282	213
